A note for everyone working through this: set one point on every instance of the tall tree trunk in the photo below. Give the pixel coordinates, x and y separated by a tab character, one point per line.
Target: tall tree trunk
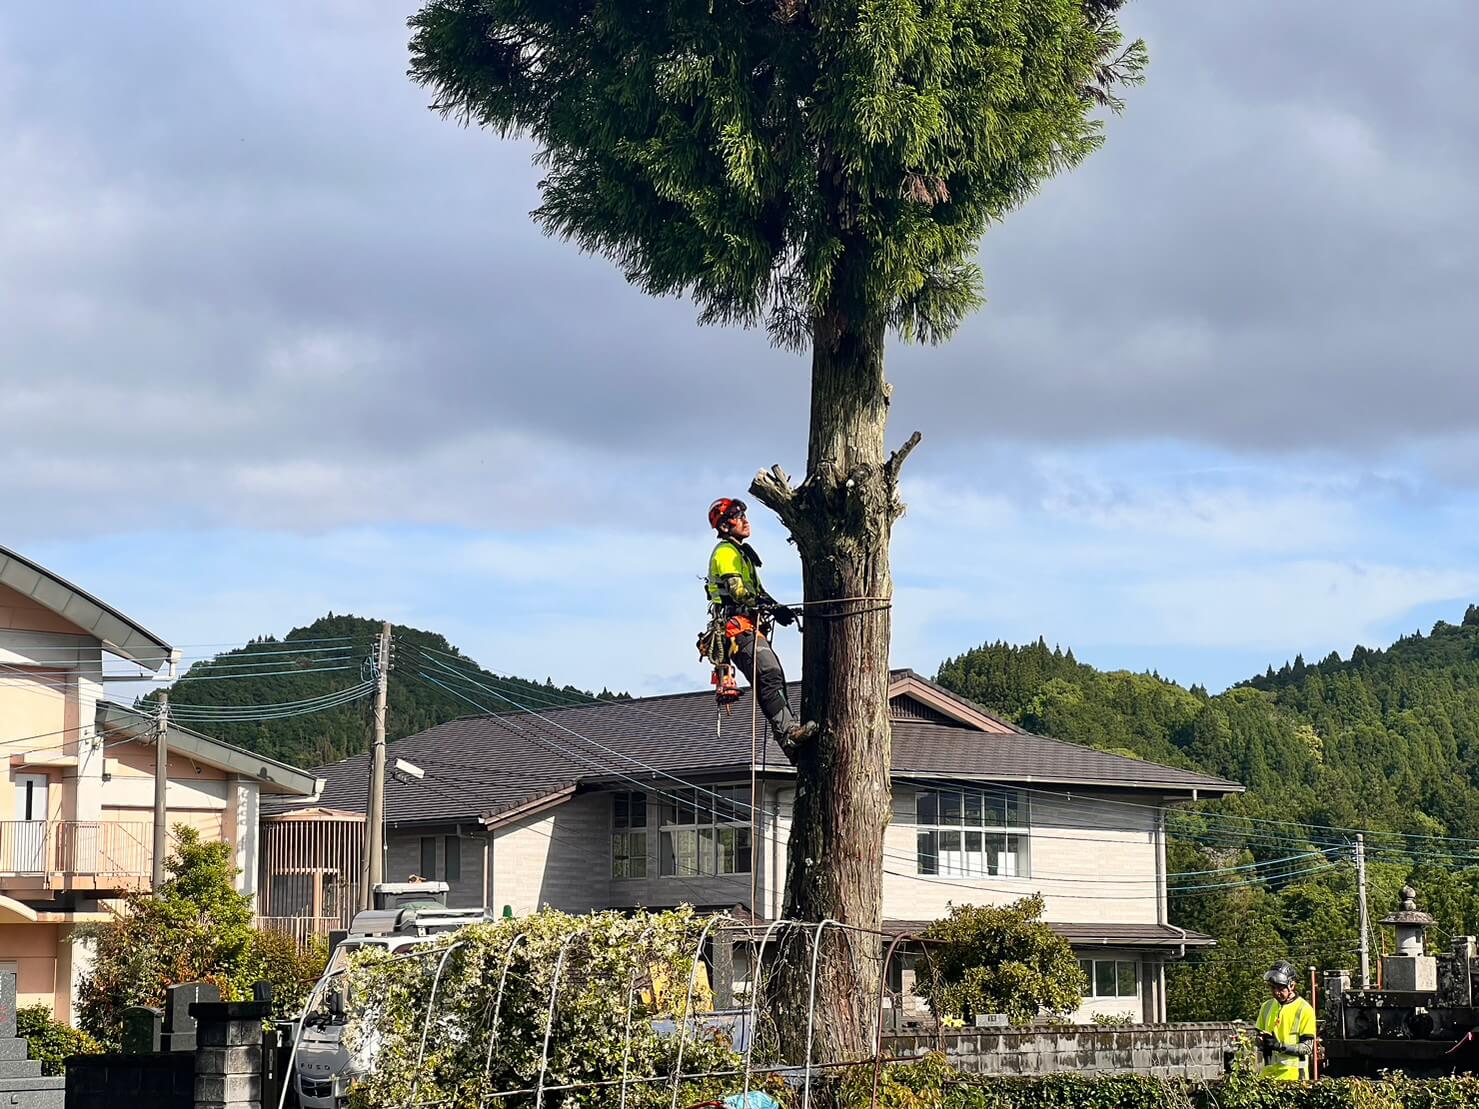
841	517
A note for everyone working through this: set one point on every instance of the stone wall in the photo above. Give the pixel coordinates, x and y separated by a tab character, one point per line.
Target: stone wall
1162	1050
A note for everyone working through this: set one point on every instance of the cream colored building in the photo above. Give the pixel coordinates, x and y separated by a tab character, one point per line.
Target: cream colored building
640	803
77	805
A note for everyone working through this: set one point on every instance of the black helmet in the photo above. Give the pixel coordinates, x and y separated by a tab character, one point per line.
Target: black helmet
1282	974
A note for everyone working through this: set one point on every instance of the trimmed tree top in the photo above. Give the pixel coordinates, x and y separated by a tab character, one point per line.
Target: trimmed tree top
778	160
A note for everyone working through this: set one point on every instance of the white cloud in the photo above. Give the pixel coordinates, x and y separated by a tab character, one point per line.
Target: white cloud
1289	607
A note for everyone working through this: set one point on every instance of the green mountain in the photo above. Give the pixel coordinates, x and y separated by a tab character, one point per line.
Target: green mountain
281	697
1386	741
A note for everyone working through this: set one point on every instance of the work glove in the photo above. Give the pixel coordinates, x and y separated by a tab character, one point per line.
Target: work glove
784	616
1266	1041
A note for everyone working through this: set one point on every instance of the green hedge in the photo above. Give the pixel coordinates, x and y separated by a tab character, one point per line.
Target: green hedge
50	1040
932	1084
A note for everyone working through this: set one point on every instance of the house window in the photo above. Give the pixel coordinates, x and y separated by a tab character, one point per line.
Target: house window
428	857
706	832
1111	977
452	861
629	835
971	833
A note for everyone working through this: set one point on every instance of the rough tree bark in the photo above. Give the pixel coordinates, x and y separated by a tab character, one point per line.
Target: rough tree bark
841	517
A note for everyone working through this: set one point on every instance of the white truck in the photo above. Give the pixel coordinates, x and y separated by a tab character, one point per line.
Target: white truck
406	915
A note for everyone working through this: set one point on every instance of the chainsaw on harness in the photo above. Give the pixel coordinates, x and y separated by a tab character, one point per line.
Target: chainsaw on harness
716	646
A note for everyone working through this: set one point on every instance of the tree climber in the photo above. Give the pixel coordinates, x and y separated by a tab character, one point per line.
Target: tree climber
741	615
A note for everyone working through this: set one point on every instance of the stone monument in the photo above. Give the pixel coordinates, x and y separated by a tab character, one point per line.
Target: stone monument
1411	968
21	1082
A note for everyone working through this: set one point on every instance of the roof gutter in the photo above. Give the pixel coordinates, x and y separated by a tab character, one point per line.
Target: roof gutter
533	807
271	776
1181	954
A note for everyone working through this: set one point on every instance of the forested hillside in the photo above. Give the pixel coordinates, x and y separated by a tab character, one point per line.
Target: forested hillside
1387	740
334	654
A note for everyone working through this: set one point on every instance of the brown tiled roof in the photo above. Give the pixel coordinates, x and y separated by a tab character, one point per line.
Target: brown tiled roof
480	766
1095	935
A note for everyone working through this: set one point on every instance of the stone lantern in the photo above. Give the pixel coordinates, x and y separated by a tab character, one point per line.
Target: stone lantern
1410	968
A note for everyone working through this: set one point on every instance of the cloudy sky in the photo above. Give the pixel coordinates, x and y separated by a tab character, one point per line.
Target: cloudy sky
276	340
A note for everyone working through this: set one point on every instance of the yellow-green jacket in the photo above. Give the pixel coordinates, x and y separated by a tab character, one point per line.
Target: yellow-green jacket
732	577
1287	1024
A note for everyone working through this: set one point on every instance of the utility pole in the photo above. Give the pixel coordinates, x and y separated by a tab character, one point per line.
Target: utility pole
1361	904
374	869
161	784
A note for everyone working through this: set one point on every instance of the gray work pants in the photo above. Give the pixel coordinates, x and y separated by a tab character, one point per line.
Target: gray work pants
757	661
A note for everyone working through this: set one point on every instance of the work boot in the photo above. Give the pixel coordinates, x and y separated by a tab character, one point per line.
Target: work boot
801	732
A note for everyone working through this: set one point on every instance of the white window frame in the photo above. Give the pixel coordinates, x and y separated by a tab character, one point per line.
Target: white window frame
629	834
697	829
955	828
1090	967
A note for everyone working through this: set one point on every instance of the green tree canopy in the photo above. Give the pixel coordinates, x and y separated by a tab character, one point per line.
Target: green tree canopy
999	959
194	928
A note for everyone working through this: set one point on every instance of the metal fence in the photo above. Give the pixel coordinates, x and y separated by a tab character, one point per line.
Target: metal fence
102	849
303	929
754	1058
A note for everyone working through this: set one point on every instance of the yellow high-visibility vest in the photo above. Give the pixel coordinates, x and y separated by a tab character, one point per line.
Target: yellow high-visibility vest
728	559
1287	1024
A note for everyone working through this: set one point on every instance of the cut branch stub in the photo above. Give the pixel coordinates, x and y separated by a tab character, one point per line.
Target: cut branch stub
772	488
894	464
896	460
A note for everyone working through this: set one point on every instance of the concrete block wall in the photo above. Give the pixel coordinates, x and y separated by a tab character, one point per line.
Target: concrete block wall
403	858
228	1059
1159	1050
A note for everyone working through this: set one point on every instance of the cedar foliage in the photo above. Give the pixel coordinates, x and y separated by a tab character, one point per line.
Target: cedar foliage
785	159
1386	740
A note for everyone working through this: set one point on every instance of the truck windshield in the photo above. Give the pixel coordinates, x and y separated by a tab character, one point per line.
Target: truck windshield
331	1002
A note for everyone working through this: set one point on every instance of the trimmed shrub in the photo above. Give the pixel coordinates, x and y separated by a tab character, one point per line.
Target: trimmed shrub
49	1040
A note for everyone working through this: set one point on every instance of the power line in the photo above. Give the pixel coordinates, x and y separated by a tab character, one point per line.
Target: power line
955	882
1066	794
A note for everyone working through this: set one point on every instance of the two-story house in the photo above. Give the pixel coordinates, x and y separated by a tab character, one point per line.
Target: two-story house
77	803
622	804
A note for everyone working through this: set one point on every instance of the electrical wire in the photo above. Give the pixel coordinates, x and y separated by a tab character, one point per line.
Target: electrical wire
274	674
956	882
1224	818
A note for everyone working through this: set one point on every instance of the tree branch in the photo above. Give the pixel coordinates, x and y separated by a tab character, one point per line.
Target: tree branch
896	460
772	488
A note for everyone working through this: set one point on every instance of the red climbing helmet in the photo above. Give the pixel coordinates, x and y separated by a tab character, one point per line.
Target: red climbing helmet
723	510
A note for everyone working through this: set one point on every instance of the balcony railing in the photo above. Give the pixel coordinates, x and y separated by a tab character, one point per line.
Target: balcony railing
70	849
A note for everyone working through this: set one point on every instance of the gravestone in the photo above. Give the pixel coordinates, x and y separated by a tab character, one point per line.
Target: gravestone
179	1025
141	1030
21	1082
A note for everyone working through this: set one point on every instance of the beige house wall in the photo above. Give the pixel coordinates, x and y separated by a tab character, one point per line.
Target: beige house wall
1095	860
31	951
560	858
49	692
